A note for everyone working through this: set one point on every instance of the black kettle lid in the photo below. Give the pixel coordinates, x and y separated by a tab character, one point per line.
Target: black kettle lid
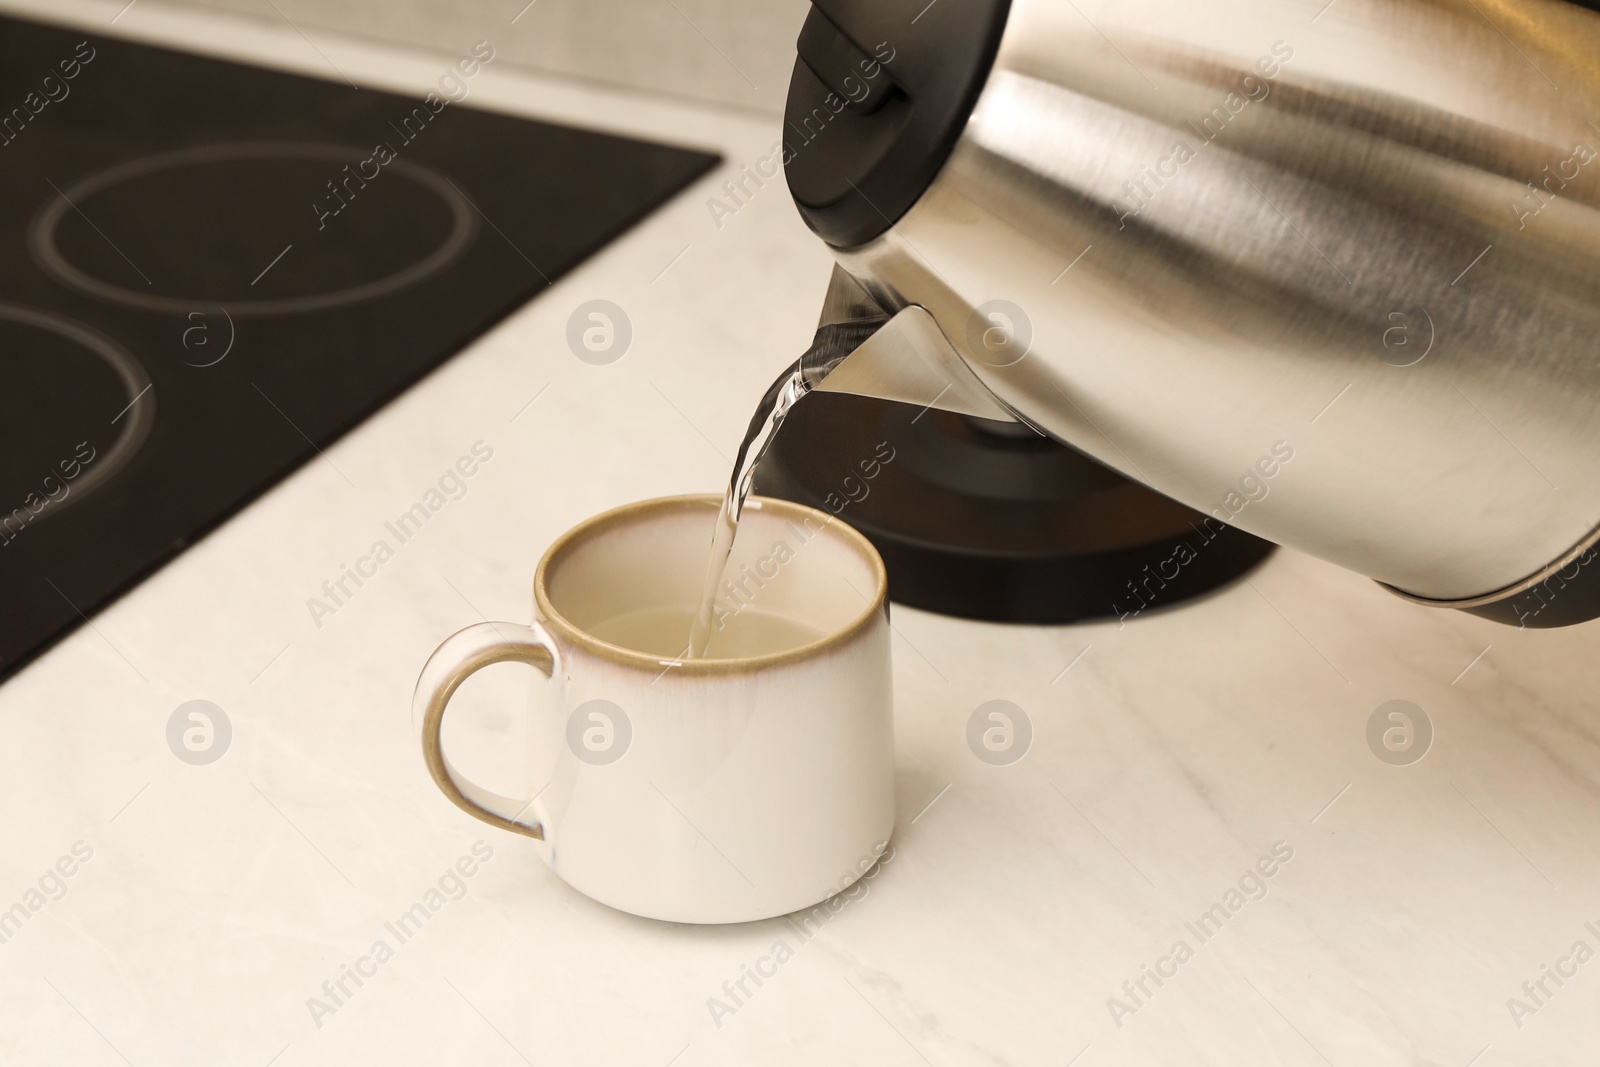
880	93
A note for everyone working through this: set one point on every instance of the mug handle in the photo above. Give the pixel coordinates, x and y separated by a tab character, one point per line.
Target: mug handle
460	656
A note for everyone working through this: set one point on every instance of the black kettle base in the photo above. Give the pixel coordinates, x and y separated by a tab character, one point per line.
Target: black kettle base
990	521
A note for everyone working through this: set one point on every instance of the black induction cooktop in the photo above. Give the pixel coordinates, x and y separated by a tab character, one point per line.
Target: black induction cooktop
208	272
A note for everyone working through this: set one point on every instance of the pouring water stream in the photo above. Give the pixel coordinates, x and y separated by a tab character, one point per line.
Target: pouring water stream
828	349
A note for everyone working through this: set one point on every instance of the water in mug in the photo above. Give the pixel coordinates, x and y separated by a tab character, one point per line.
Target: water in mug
828	349
659	632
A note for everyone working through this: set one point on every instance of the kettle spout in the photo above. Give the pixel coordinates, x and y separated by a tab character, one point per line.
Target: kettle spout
863	349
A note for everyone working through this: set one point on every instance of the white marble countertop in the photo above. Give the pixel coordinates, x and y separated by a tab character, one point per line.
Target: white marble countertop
1174	753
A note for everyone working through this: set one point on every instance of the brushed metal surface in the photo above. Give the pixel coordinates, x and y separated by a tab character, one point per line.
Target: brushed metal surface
909	360
1364	233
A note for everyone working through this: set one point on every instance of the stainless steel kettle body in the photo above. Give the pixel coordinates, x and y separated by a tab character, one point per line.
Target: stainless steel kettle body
1329	272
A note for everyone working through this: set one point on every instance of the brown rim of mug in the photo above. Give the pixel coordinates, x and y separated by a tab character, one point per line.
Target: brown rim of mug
643	509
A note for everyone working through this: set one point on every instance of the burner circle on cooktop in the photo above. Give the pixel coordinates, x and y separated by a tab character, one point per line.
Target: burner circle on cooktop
75	409
263	228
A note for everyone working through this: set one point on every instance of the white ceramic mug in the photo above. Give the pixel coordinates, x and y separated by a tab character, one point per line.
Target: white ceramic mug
710	790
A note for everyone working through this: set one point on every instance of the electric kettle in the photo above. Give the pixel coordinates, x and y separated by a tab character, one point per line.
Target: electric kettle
1324	270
